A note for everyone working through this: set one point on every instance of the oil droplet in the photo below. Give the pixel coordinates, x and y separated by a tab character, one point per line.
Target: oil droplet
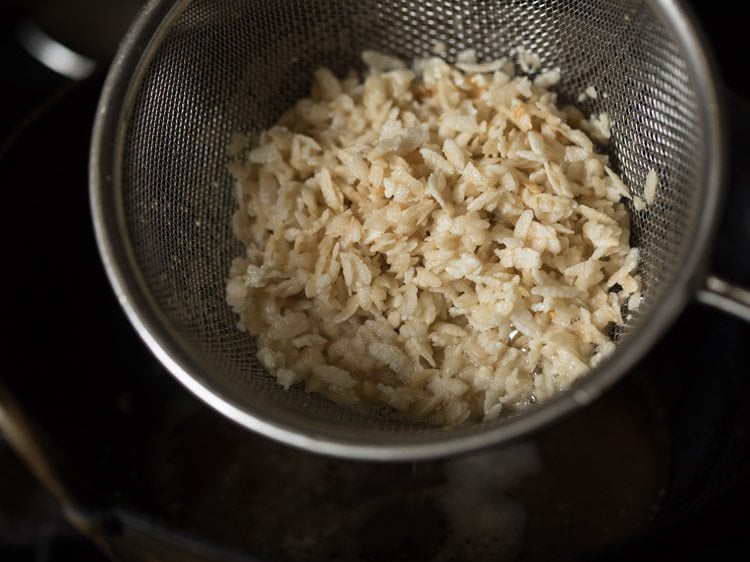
514	333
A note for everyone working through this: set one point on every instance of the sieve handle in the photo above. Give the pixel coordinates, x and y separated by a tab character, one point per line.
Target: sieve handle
726	287
726	297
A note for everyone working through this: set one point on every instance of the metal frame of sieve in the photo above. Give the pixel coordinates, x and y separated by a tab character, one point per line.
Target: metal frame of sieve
133	252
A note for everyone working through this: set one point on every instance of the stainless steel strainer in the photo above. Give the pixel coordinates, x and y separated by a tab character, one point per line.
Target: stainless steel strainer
190	73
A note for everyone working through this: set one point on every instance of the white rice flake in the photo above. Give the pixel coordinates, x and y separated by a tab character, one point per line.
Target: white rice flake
443	241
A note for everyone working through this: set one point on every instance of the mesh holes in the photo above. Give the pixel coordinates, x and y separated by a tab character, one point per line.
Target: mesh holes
236	65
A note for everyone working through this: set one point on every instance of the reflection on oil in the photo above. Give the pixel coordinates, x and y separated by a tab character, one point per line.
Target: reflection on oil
588	481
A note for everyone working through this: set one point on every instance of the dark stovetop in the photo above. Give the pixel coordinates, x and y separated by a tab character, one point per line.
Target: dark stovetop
660	467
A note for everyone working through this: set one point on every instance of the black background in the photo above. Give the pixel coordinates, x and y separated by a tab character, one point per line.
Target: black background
31	527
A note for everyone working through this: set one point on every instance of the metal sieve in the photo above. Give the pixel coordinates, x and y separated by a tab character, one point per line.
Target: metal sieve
190	73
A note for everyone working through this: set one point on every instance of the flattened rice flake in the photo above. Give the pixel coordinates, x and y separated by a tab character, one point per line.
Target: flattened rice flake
439	240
